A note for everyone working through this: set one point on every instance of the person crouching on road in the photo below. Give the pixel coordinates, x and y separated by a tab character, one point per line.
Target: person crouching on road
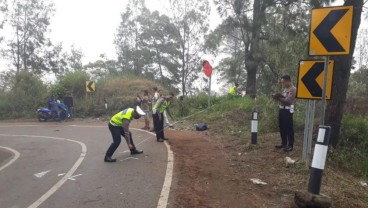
286	111
158	109
119	126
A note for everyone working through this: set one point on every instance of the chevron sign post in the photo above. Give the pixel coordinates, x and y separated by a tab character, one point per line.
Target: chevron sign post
330	34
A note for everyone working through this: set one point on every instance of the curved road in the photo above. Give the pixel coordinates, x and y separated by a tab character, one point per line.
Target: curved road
61	165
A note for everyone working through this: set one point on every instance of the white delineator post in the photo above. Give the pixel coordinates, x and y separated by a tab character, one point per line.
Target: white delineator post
319	159
254	129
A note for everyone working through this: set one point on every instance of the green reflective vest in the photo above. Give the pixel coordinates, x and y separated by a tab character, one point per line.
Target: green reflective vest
163	106
117	119
232	90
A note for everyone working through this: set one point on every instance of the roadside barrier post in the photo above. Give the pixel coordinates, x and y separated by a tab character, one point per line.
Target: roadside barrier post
319	159
254	129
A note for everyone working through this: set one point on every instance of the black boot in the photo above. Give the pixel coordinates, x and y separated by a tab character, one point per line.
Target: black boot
109	159
135	151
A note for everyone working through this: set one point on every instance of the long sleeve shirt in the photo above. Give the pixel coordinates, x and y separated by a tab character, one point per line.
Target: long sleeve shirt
289	96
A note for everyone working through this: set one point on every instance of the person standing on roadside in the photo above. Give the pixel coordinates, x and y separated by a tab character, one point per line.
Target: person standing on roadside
146	106
286	111
155	97
166	119
158	115
119	126
234	91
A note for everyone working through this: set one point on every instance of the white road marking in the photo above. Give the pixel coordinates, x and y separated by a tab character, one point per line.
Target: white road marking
69	174
164	196
19	126
42	174
165	192
72	178
16	156
128	158
125	151
61	174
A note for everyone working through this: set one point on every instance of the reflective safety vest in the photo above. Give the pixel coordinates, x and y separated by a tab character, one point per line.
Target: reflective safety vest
232	90
163	106
117	119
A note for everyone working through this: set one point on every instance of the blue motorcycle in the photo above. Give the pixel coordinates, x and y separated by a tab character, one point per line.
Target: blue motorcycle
45	114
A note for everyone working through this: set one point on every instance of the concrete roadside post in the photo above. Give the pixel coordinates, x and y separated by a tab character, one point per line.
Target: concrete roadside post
254	129
319	159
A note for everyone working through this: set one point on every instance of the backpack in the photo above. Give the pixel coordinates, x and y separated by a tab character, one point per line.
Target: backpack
201	126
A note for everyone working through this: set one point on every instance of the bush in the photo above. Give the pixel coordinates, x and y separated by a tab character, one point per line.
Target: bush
351	151
73	83
27	93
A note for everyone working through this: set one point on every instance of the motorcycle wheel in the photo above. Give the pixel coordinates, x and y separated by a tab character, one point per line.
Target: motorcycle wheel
41	118
63	115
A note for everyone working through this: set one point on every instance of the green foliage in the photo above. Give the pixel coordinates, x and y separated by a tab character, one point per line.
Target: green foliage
351	151
58	91
358	88
119	92
26	94
233	114
73	83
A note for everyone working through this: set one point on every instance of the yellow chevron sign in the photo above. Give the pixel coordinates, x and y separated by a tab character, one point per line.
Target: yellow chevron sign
330	31
90	86
310	79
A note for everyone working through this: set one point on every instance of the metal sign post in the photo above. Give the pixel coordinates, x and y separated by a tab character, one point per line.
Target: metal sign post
325	76
308	129
209	92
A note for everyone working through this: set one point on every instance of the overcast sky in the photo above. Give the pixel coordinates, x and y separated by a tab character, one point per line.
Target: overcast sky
92	24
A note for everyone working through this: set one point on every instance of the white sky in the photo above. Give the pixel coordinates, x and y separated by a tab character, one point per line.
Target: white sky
91	24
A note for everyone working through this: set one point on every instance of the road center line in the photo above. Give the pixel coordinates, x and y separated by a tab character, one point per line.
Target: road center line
69	174
16	156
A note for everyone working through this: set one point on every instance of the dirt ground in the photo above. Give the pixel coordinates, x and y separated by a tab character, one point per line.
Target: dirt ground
215	171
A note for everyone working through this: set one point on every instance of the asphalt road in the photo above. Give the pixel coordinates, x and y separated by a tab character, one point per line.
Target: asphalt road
61	165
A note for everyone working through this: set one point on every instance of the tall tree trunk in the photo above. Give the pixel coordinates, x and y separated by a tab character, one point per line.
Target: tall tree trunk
341	76
253	57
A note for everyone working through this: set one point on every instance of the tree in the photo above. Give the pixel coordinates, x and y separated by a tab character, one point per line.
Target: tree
30	20
191	25
341	76
128	40
261	44
3	12
102	68
162	44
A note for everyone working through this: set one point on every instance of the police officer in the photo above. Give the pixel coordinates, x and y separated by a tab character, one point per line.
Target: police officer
158	109
234	90
286	110
119	126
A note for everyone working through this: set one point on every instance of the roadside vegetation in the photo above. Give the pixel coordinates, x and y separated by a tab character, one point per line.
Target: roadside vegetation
227	115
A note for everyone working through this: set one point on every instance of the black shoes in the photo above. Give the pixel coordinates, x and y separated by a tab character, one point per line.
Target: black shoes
160	140
284	147
109	159
280	146
288	149
136	152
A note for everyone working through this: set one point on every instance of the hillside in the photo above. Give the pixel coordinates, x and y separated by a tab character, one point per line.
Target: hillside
214	167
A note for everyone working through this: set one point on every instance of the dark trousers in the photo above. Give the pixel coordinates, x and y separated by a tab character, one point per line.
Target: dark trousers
116	133
286	127
158	125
